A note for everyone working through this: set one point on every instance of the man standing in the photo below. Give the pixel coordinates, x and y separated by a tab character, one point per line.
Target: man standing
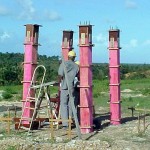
72	69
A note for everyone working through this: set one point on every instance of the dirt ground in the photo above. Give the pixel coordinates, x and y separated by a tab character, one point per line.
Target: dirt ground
130	135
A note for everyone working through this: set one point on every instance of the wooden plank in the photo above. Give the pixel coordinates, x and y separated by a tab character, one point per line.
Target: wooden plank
6	119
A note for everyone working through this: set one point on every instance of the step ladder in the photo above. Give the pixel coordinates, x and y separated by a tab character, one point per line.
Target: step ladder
39	96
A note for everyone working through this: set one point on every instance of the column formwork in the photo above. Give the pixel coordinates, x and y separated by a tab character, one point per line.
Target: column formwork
114	76
29	65
67	43
86	97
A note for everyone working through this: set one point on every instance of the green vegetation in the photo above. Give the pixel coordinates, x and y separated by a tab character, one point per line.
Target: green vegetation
11	148
135	77
138	95
6	95
11	68
11	92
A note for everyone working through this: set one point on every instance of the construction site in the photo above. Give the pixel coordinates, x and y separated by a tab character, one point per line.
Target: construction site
35	121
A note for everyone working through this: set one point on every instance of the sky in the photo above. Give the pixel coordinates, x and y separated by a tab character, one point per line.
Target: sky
132	17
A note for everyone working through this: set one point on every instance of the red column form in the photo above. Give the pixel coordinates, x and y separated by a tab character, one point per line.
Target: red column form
114	76
30	63
67	43
86	103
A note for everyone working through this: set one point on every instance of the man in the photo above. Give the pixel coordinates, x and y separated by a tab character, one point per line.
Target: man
77	92
67	85
76	87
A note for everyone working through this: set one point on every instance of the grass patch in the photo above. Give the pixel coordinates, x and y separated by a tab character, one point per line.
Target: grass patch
139	102
11	93
142	86
101	101
146	91
101	93
53	89
12	89
108	140
11	148
99	87
6	95
14	92
135	84
141	134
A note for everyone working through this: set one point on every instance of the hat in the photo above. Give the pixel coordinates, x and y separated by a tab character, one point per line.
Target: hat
72	54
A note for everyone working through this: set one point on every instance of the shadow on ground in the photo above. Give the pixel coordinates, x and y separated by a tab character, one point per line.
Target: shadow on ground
6	108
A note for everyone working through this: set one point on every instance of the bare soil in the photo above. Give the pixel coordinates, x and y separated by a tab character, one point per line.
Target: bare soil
129	135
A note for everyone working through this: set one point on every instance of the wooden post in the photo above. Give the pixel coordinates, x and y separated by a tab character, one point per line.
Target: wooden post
138	127
8	121
69	131
52	130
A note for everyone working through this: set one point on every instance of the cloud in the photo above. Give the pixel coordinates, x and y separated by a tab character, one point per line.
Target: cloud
52	15
4	36
3	11
28	11
101	39
109	21
133	43
130	4
147	42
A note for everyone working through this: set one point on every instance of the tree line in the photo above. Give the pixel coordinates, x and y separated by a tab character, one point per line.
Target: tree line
11	69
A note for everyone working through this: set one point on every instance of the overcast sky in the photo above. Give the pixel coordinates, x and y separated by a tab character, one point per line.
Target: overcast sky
132	17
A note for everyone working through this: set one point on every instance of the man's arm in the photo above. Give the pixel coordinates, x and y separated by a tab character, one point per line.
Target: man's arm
60	73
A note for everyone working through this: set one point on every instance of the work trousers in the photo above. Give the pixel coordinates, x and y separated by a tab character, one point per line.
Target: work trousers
65	106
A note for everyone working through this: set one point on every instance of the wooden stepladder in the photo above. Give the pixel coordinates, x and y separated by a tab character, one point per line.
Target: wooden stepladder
41	92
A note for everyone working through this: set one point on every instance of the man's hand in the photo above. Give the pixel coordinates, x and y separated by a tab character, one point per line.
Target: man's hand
60	78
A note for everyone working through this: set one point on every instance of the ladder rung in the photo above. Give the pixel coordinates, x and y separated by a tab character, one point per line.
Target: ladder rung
43	106
23	118
27	100
25	128
34	87
31	98
30	108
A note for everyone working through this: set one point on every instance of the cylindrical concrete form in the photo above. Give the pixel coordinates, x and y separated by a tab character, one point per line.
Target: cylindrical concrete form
114	76
86	98
30	63
67	43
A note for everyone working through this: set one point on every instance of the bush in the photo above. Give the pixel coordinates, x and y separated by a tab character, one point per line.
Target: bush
136	75
6	95
11	90
146	91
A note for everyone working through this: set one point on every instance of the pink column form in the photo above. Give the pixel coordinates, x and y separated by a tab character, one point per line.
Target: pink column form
30	63
86	99
67	43
114	76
